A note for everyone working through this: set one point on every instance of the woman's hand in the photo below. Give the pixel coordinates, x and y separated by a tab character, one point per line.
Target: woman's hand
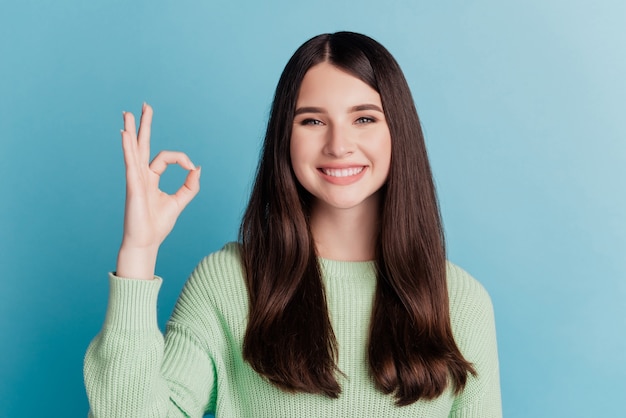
150	214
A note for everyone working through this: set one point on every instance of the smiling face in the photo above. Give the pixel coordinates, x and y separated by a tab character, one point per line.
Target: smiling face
340	142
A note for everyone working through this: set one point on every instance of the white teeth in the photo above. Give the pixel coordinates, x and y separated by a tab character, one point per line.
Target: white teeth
342	172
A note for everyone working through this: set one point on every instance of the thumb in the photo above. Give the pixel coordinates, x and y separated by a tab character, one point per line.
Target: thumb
190	189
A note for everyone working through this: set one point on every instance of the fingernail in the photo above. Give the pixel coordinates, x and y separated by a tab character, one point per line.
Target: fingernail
143	107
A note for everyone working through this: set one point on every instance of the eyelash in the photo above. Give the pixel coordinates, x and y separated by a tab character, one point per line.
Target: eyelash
361	120
310	122
365	119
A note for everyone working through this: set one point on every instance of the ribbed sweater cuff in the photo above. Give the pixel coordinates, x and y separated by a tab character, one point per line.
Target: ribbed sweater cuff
132	303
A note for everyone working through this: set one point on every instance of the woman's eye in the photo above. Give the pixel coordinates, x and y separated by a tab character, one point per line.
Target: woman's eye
310	122
365	119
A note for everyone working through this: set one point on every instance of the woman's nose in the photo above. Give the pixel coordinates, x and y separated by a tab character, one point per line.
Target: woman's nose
338	142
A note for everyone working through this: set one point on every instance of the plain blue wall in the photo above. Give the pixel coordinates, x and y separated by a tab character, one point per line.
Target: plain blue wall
522	105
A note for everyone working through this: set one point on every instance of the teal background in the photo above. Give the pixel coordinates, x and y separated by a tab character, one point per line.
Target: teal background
522	105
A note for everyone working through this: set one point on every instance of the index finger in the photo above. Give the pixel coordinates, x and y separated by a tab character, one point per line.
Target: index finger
165	158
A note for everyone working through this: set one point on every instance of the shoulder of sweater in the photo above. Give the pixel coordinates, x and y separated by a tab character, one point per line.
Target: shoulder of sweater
226	256
464	291
226	260
217	273
213	303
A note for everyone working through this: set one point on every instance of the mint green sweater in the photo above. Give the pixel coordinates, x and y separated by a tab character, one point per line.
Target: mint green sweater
132	371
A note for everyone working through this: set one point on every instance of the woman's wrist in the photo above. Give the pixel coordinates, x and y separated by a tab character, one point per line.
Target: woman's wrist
136	263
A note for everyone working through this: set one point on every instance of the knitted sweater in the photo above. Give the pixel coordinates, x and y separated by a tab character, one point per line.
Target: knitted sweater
131	371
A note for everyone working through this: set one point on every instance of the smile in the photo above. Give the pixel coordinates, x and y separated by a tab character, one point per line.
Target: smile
342	172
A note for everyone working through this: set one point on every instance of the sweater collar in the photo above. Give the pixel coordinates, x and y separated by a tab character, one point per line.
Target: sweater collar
356	269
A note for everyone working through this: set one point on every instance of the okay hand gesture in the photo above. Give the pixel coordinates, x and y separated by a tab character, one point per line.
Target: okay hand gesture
150	214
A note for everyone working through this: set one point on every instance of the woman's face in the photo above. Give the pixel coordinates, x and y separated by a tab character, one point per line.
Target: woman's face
340	142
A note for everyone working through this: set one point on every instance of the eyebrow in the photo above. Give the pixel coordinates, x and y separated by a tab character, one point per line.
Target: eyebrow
357	108
367	106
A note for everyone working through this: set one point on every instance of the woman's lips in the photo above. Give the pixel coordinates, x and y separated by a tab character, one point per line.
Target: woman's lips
342	175
342	172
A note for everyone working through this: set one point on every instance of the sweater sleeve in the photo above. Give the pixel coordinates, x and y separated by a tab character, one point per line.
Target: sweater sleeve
473	323
132	371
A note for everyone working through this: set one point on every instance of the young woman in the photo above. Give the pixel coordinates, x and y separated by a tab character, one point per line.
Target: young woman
337	301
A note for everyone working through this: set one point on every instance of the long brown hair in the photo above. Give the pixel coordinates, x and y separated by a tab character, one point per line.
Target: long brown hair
289	337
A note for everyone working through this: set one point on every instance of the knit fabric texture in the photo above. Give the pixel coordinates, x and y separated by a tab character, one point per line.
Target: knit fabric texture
131	370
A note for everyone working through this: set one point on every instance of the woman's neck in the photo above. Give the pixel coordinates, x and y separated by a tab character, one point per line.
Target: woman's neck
346	234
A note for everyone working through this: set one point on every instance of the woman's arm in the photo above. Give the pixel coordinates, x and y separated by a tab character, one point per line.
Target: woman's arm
130	371
123	363
473	324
